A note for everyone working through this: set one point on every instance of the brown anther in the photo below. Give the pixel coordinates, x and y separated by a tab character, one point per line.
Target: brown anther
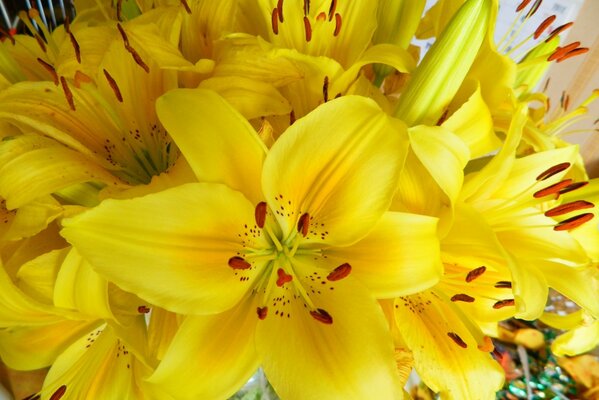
34	396
487	345
332	9
119	9
504	303
574	222
562	51
114	86
566	101
568	208
50	69
303	225
8	35
574	53
186	6
260	214
59	393
558	30
280	8
462	297
552	189
544	25
556	169
306	7
572	187
237	262
138	58
457	339
40	42
143	309
534	8
123	34
262	312
308	29
337	24
274	19
75	47
291	117
522	5
325	89
475	273
546	84
322	316
503	285
339	273
67	92
283	277
67	24
443	117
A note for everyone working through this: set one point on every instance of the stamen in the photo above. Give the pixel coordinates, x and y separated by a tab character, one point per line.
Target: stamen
138	59
260	214
552	189
143	310
503	285
40	42
303	225
306	7
308	29
114	86
574	222
34	396
275	21
475	273
337	24
237	262
50	69
119	8
8	35
283	277
123	34
487	345
186	6
568	208
544	25
534	8
567	100
321	17
522	5
75	47
462	297
280	8
562	51
572	187
443	117
504	303
262	312
546	85
574	53
80	78
322	316
457	339
67	92
59	393
339	273
332	9
558	30
556	169
325	89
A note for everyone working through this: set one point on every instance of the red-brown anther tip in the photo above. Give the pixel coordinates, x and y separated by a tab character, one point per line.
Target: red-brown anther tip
332	9
522	5
338	22
544	25
260	214
556	169
59	393
558	30
322	316
308	29
462	297
534	8
574	222
503	285
67	92
262	312
283	277
50	69
475	273
504	303
8	36
306	7
280	8
325	89
573	53
562	51
457	339
76	47
568	208
123	34
303	225
274	20
572	187
143	310
114	86
186	6
237	262
339	273
552	189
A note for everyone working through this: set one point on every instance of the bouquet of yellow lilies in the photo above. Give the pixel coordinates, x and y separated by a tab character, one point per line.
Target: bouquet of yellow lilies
195	189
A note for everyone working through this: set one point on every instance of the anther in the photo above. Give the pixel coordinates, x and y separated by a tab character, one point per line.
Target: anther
522	5
325	89
34	396
75	47
562	51
552	189
119	9
8	35
59	393
339	273
143	309
566	100
275	21
337	24
332	9
568	208
280	8
462	297
40	42
534	8
237	262
544	25
457	339
572	187
556	169
114	86
504	303
67	92
50	69
306	7
558	30
475	273
574	53
308	29
186	6
283	277
322	316
138	58
503	285
123	34
260	214
574	222
262	312
303	225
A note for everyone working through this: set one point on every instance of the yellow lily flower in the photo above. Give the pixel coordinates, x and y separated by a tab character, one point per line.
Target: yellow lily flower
283	260
582	333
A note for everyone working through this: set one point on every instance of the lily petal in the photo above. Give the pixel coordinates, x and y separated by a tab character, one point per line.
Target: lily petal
577	341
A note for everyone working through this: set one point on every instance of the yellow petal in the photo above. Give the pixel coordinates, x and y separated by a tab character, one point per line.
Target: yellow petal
211	357
161	330
577	341
445	353
195	230
581	286
219	144
30	218
399	256
343	181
